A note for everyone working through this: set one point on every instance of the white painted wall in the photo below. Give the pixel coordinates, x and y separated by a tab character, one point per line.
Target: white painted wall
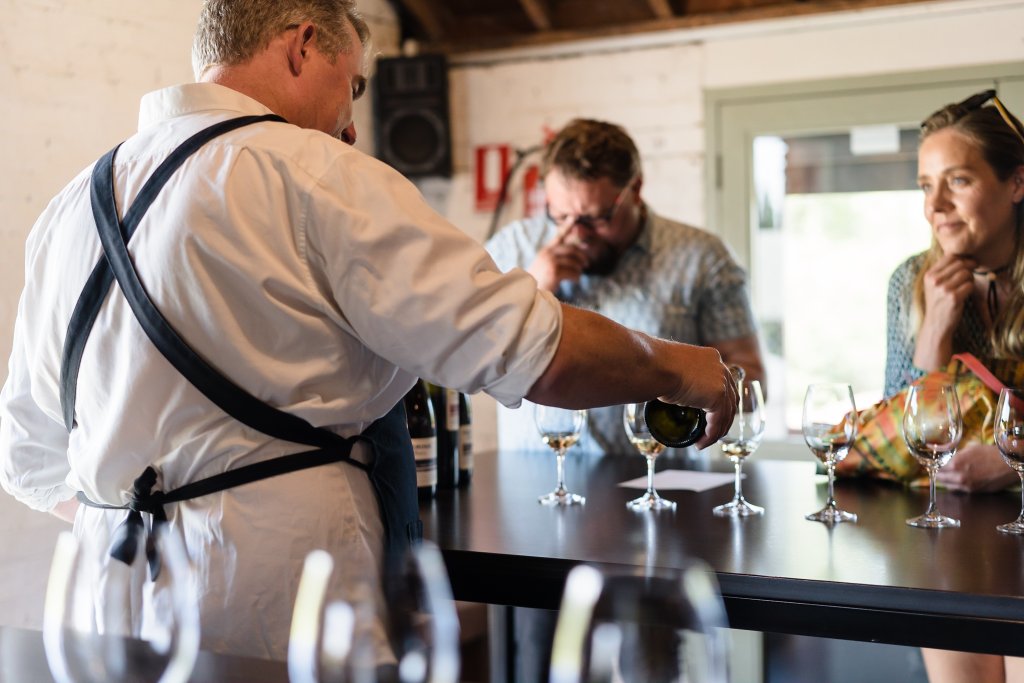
71	74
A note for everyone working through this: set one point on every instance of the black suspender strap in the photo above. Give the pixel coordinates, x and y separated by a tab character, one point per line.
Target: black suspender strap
99	281
232	399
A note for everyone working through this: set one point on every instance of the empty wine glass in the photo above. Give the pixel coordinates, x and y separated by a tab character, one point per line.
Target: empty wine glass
932	428
560	428
740	442
667	627
640	436
93	630
1009	435
829	427
407	633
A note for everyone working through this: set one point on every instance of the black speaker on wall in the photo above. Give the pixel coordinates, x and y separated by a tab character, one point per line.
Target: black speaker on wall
410	107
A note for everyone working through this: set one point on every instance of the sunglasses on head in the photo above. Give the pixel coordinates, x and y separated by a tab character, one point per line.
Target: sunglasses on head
978	100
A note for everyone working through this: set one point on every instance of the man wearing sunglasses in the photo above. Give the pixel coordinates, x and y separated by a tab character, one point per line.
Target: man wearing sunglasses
601	247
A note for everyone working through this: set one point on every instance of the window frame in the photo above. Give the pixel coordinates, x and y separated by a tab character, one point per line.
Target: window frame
735	116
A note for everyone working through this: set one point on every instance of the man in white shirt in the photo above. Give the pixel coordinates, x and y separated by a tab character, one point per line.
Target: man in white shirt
312	276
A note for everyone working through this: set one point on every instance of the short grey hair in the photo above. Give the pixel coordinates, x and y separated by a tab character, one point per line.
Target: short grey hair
231	32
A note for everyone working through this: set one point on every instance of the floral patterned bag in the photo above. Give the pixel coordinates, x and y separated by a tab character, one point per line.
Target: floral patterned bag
879	450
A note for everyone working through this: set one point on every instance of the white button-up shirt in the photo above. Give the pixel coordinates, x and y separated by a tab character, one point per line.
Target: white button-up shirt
312	275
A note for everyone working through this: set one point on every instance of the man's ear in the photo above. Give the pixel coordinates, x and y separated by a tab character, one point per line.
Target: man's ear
300	42
637	184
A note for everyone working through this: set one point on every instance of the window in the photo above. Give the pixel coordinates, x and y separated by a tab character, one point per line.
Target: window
815	189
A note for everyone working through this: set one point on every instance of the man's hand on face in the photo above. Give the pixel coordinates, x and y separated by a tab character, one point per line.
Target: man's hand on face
560	259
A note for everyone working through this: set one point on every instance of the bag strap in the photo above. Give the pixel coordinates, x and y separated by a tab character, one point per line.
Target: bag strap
981	372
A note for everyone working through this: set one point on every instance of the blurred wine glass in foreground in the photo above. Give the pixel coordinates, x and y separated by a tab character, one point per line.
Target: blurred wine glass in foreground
640	436
1009	434
560	429
829	427
932	427
740	442
93	631
668	627
408	635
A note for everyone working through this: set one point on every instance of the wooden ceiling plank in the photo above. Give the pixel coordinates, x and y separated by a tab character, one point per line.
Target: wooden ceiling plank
539	13
692	18
428	14
661	8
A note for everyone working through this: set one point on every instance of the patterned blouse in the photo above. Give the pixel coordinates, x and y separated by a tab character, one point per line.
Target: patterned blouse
970	335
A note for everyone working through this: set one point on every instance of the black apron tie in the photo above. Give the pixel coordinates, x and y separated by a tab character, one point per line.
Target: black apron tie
124	545
391	471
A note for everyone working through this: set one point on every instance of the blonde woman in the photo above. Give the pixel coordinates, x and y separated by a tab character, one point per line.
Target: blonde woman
965	294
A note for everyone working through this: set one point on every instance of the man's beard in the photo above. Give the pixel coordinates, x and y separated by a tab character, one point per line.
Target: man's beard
604	261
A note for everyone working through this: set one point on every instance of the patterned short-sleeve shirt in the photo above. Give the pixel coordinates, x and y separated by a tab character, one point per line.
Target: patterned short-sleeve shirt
676	282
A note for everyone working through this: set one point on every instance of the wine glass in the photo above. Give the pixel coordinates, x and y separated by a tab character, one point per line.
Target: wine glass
1009	434
92	629
932	428
665	627
829	427
640	436
560	428
740	442
407	632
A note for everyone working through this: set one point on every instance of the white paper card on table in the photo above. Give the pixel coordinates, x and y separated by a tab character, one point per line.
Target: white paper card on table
682	480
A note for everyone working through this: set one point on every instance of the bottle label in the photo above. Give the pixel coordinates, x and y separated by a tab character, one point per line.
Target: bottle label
465	447
425	452
451	400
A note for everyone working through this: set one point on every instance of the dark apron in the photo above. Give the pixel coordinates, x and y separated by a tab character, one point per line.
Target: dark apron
391	467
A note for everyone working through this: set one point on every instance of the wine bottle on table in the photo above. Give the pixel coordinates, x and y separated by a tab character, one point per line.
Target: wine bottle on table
419	413
446	412
465	441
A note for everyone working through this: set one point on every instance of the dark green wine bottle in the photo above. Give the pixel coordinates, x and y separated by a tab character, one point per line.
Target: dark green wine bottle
419	414
465	441
675	426
446	414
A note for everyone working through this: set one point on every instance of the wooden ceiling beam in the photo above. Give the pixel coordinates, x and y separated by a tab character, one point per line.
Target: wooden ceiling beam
428	14
694	17
540	13
661	8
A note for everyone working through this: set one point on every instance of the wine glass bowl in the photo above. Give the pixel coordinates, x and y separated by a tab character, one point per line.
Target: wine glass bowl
662	627
93	629
1009	437
407	632
742	439
560	429
829	427
932	427
635	423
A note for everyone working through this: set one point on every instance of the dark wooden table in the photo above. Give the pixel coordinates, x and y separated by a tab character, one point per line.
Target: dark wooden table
23	660
877	580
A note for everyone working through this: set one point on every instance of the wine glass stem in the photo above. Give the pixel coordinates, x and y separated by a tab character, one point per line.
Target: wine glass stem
737	491
831	501
1020	517
931	493
650	475
560	457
